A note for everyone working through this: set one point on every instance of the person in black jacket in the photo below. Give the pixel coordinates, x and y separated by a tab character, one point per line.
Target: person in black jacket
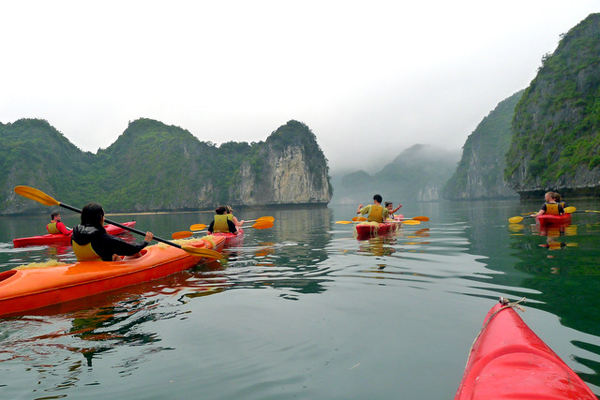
91	242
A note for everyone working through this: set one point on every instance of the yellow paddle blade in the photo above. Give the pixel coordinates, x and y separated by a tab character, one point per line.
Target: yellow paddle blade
262	225
265	219
359	219
200	252
421	218
411	222
343	222
197	227
182	234
570	210
515	220
37	195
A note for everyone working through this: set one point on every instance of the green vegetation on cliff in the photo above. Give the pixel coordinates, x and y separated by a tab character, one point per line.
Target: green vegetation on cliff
150	167
556	125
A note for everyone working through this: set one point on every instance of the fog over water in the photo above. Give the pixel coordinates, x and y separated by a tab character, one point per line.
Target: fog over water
397	73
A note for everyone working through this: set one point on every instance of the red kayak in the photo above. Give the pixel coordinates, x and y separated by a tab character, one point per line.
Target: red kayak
369	229
232	239
509	361
37	285
547	219
59	238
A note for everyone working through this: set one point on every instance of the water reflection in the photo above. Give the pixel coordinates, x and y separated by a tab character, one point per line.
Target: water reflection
265	299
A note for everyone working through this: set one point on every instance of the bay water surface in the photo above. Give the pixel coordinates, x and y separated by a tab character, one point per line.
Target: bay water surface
304	310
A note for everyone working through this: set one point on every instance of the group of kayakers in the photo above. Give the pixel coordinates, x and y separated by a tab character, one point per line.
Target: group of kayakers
91	242
553	205
376	212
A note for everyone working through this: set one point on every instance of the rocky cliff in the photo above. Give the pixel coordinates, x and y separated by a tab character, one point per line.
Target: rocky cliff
556	125
289	169
480	172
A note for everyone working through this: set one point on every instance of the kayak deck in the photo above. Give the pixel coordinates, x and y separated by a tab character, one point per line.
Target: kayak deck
509	361
61	239
32	287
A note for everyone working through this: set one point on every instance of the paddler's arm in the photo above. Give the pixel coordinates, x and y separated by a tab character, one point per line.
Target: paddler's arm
63	229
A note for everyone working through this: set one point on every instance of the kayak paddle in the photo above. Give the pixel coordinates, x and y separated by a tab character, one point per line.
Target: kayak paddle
406	222
201	227
43	198
517	219
187	234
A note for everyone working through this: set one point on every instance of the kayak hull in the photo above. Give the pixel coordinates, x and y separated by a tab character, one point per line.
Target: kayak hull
60	239
232	239
370	229
23	290
546	219
509	361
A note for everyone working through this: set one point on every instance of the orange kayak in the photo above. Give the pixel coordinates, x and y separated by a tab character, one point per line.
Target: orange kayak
35	286
61	239
509	361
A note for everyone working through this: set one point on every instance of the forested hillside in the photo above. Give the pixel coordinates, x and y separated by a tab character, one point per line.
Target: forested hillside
556	142
153	167
480	172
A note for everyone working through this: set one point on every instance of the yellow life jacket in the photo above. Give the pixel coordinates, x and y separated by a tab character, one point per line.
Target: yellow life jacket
376	214
85	252
51	227
220	224
230	217
551	208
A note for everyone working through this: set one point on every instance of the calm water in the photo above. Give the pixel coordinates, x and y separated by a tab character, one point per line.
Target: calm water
306	311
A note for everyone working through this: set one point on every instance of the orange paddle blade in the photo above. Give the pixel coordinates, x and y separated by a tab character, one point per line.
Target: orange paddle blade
182	234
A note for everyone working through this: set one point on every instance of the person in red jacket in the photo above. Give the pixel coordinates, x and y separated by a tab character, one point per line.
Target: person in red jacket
55	226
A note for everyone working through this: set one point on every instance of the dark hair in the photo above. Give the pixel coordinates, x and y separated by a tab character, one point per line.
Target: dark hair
92	215
54	214
378	198
221	210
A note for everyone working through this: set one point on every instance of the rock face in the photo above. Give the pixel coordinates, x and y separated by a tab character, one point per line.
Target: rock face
480	172
292	170
156	167
557	122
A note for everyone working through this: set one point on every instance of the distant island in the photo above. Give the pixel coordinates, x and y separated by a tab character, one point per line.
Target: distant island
157	167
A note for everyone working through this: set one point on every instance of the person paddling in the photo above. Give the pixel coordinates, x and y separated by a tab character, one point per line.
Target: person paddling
233	218
221	222
91	242
391	210
56	226
377	213
550	207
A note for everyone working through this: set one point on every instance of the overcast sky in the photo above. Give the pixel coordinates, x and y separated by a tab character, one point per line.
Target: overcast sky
370	78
